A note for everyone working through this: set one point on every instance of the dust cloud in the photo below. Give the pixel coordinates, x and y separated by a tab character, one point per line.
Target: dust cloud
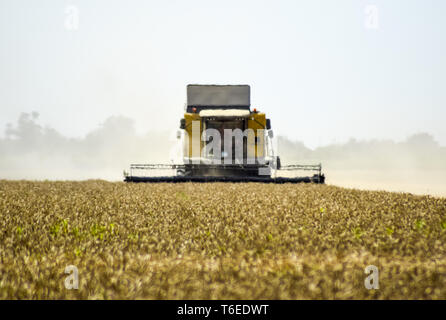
29	150
416	165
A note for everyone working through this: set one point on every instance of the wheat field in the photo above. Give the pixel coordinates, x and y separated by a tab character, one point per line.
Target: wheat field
218	241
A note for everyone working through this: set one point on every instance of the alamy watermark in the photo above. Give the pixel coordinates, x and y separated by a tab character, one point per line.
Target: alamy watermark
371	18
72	281
230	146
372	280
71	21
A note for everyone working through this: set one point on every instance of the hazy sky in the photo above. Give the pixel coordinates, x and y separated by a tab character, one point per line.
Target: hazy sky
323	71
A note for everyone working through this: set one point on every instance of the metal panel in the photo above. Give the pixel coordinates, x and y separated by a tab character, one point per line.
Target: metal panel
218	95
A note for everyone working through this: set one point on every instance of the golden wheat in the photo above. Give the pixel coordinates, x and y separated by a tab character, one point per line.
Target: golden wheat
218	241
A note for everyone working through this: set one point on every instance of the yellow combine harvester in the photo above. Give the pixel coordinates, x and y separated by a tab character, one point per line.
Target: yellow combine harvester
224	140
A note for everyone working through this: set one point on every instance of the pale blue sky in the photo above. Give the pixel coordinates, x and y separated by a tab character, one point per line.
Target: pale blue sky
313	67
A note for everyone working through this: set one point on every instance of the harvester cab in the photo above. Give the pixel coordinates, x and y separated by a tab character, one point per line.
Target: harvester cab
224	139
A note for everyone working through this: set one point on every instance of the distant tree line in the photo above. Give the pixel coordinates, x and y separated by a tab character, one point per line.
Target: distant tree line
30	150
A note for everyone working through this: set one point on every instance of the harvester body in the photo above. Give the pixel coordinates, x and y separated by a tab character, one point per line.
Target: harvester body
224	140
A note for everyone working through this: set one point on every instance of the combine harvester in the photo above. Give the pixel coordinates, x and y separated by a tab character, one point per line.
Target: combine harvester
224	140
